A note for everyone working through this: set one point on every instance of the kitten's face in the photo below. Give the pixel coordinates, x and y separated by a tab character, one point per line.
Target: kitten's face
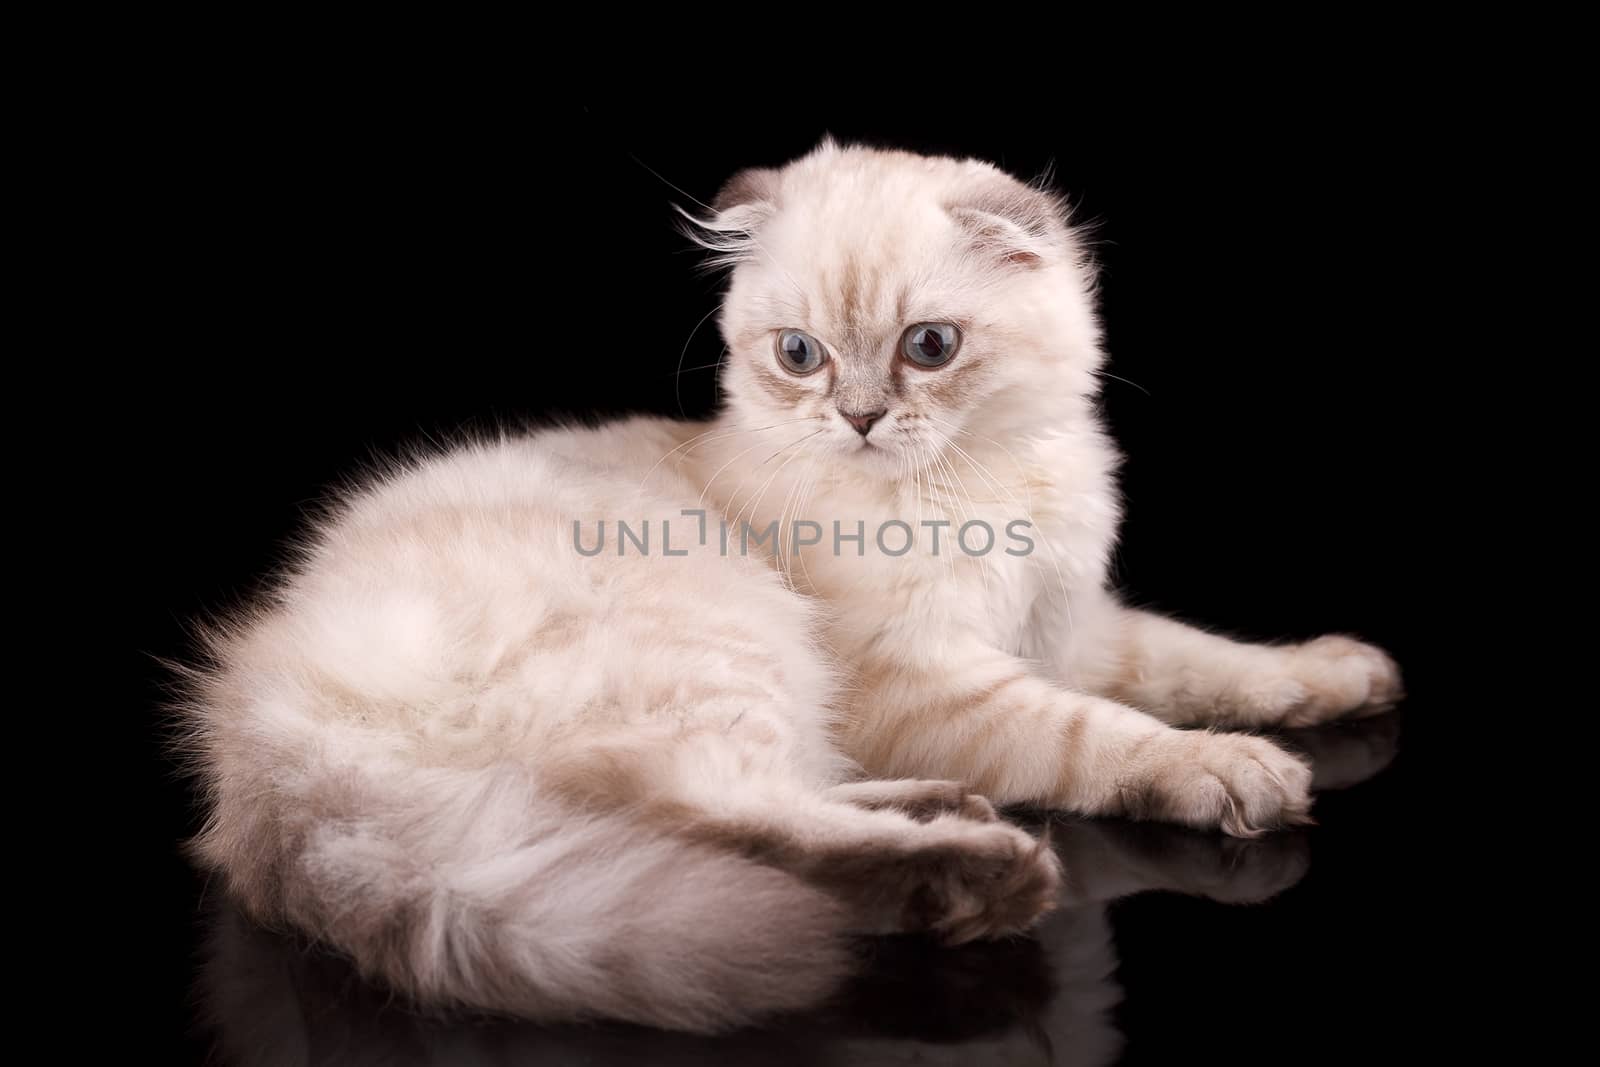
888	305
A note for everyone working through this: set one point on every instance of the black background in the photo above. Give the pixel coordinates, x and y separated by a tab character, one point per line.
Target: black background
335	275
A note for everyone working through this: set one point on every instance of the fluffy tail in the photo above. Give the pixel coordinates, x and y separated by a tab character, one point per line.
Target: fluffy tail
467	887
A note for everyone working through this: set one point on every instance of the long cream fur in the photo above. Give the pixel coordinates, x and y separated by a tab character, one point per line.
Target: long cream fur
501	773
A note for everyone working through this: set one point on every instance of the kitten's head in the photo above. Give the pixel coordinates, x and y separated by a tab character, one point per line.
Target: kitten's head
900	301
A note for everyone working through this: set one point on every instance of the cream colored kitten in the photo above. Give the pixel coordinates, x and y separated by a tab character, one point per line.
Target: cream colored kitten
664	784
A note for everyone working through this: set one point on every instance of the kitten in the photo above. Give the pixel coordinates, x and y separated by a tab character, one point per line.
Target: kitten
664	782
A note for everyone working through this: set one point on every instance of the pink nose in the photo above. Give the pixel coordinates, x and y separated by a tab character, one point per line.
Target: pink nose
863	422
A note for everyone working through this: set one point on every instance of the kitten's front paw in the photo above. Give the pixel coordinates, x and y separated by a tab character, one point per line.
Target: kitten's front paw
1244	785
1338	675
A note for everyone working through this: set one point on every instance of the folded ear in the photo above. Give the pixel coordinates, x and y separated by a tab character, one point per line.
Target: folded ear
753	186
752	193
1015	223
741	208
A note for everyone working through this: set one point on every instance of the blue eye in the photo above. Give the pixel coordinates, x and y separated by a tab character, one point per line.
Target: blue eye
800	353
931	344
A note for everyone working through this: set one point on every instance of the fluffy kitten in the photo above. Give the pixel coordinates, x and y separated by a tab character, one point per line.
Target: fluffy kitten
502	772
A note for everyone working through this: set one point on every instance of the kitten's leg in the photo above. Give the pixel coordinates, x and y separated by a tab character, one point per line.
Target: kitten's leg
1188	676
981	716
919	798
956	876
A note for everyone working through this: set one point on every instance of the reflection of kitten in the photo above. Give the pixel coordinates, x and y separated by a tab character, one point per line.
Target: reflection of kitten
500	771
1047	998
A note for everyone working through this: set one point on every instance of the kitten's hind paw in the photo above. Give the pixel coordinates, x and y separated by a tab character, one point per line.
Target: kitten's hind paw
991	881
